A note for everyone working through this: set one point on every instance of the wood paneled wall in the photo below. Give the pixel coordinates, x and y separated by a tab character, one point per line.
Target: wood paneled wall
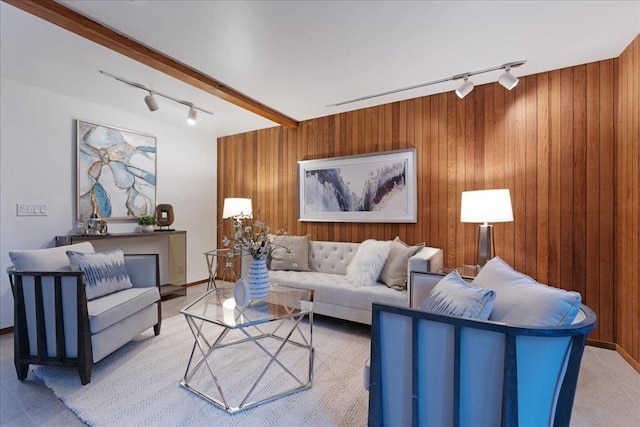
627	202
550	141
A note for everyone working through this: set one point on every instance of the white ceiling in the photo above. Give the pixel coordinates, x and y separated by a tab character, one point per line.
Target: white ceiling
300	56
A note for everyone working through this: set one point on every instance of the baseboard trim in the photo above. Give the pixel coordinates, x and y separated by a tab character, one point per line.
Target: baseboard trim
8	330
601	344
630	360
199	282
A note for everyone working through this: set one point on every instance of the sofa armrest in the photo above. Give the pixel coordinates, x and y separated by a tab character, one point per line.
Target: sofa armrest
419	286
427	260
143	269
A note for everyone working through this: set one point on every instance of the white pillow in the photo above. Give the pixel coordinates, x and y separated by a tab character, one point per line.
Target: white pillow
520	300
50	259
366	265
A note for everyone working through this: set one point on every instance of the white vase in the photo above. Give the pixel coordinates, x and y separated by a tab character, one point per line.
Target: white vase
147	228
258	279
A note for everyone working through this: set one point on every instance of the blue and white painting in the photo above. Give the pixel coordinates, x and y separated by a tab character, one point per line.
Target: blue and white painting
374	188
116	172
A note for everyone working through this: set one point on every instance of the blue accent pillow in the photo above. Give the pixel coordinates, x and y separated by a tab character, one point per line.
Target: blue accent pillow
104	272
453	296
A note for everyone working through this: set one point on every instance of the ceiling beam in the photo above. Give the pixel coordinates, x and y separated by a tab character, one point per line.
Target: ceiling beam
71	20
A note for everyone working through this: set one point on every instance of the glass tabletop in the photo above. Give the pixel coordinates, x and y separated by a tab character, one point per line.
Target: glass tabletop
218	306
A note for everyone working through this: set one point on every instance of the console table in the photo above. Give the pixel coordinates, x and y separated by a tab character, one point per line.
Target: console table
171	247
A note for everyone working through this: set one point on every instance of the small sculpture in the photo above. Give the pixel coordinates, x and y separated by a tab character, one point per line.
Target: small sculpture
164	216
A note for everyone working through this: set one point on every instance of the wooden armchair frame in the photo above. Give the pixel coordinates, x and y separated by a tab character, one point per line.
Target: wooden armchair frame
22	353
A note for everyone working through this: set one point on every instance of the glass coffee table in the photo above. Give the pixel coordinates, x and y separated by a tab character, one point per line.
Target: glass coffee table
246	356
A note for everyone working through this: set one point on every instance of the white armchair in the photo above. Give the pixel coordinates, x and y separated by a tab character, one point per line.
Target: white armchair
55	324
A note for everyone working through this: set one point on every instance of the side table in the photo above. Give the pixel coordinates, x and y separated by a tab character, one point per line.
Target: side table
465	270
214	257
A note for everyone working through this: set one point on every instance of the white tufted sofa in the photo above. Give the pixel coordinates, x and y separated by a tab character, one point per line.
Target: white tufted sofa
337	297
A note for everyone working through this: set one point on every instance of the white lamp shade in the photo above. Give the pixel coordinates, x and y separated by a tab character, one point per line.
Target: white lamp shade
235	207
485	206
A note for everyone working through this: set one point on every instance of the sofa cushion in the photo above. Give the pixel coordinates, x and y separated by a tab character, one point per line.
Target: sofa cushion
366	265
335	289
104	272
520	300
51	259
331	257
453	296
394	272
110	309
290	253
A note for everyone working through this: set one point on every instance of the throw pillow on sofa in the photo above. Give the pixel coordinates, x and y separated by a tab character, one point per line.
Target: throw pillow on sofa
50	259
394	272
290	253
366	265
520	300
453	296
104	272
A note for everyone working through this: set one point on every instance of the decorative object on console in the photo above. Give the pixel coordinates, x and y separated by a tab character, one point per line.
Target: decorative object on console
147	222
95	224
164	216
484	206
378	187
116	172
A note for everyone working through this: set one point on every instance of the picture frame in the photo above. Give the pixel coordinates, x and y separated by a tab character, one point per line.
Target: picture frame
116	172
378	187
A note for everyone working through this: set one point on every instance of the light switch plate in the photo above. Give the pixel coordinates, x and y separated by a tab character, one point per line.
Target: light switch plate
32	209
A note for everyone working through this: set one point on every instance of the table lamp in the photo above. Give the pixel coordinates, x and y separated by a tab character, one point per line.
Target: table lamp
237	208
484	206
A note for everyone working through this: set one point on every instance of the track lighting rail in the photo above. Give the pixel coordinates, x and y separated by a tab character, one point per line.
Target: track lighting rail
465	76
151	102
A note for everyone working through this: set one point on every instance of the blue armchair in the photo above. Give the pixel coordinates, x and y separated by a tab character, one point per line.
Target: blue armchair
435	370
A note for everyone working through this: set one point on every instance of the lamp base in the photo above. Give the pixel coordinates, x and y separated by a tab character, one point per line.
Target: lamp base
486	247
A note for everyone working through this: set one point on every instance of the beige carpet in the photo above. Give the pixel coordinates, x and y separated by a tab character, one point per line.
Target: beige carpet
139	384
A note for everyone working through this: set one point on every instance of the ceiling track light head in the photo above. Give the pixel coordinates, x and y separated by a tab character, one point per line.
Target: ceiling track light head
192	117
508	80
151	102
465	88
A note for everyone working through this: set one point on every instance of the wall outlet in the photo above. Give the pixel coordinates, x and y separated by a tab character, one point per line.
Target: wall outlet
181	269
32	209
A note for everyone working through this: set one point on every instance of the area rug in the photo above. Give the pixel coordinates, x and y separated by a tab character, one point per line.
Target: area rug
139	383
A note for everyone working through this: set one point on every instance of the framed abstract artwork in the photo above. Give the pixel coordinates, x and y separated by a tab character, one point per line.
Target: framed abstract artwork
116	172
377	187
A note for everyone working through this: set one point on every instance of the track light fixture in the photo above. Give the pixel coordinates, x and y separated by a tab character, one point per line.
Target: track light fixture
193	116
152	104
508	80
465	88
462	91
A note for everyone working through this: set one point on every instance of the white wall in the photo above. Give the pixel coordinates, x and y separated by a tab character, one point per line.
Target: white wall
37	158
